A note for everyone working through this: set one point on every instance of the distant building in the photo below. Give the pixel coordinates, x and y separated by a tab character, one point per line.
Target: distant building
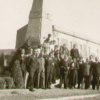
86	46
7	51
39	26
6	56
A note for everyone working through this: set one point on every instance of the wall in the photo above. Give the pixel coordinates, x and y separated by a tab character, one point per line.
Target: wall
85	47
20	38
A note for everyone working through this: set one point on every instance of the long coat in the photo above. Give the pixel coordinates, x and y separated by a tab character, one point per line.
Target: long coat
49	65
86	69
95	68
33	68
73	75
95	72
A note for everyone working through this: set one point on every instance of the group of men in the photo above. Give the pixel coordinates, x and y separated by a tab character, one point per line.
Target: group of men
49	62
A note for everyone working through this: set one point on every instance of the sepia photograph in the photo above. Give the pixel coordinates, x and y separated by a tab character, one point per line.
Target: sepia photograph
49	49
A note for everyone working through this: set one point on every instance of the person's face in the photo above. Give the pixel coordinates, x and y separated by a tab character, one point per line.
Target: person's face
66	58
64	45
51	43
28	43
91	57
51	54
22	51
41	54
62	56
74	60
36	53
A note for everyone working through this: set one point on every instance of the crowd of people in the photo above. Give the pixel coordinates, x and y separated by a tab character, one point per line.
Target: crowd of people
41	66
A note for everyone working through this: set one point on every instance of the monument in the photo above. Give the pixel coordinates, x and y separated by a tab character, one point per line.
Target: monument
39	25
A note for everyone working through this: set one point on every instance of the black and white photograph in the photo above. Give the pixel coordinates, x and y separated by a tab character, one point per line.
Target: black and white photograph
49	49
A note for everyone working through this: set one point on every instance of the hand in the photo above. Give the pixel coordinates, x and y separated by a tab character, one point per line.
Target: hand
53	64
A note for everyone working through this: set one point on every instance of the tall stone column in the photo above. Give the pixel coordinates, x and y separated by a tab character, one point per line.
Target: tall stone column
39	25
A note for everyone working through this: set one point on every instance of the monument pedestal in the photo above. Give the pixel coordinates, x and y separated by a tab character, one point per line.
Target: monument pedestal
39	25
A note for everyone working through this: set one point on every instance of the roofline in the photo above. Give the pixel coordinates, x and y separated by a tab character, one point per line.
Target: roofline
8	49
73	35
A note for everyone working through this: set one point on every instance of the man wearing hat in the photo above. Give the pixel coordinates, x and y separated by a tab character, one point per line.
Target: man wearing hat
74	53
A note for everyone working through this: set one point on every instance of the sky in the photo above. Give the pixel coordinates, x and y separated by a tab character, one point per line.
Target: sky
79	16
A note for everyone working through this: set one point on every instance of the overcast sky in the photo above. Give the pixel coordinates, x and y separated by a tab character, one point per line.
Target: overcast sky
80	16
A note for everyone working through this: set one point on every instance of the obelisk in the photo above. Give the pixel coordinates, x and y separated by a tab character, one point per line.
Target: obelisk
39	25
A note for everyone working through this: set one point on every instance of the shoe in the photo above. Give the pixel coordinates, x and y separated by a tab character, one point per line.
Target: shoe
31	89
49	87
97	88
65	87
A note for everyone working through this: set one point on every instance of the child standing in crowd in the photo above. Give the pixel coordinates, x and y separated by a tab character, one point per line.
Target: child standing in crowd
80	73
49	69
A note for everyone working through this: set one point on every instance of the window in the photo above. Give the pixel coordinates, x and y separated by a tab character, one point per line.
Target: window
97	52
80	49
71	45
84	50
88	52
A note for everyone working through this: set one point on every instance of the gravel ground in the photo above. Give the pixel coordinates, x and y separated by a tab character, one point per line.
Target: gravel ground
94	98
44	94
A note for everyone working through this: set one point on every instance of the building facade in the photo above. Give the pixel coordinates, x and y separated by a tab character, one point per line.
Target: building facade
86	47
40	25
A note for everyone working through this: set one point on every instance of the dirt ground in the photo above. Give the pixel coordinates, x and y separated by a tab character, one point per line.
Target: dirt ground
44	94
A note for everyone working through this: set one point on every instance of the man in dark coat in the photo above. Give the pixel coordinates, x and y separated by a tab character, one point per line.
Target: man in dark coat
80	73
73	73
33	68
63	63
74	53
64	49
96	74
25	61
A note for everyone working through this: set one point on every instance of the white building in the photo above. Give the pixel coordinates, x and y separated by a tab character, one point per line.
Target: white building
39	26
86	46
